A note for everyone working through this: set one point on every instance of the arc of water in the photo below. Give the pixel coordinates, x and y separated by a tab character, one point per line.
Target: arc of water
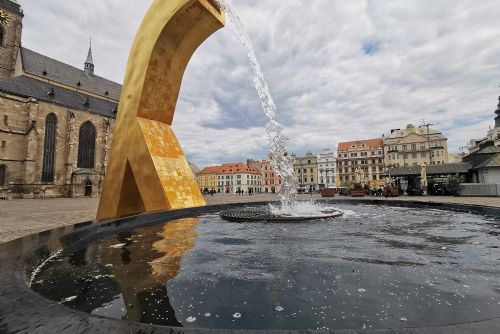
280	160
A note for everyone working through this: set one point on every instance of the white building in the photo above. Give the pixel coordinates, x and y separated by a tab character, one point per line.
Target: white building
492	137
235	177
327	169
484	155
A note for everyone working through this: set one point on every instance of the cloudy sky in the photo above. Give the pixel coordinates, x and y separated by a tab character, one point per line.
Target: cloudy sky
338	70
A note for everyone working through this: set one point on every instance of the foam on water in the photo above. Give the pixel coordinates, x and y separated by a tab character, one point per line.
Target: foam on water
304	209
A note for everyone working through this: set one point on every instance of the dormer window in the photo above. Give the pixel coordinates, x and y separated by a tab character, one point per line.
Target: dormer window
106	93
78	83
51	93
44	73
86	104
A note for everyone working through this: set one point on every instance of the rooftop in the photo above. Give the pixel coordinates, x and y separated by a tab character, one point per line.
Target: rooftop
230	168
366	143
444	169
28	87
49	69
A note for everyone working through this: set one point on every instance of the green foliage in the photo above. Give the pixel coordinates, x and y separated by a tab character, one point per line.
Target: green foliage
347	184
453	184
358	186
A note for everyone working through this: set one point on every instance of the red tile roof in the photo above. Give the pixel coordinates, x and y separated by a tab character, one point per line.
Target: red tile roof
369	143
209	170
230	168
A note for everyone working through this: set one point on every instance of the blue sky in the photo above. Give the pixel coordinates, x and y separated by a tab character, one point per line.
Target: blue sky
338	70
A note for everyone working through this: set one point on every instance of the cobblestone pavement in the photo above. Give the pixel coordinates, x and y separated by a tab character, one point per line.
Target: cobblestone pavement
22	217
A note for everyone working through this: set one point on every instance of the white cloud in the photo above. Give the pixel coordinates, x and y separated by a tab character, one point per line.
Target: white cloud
431	60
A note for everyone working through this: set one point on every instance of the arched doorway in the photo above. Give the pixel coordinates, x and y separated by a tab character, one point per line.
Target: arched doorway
88	188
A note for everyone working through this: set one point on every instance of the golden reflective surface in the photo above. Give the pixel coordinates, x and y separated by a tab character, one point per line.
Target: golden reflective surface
125	273
147	168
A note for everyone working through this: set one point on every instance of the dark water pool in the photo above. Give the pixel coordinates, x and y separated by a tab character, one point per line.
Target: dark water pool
377	267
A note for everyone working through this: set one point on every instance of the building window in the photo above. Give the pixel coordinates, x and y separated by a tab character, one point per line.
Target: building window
3	175
86	146
2	35
4	143
49	148
5	120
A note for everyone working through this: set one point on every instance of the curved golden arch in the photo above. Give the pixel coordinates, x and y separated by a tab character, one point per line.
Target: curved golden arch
147	169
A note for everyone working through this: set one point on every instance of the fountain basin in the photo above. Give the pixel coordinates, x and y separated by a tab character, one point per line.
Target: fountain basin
264	214
22	309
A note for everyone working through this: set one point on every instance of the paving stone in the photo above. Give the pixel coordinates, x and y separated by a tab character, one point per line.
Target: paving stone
22	217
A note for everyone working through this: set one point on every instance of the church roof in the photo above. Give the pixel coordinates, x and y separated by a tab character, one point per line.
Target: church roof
50	69
28	87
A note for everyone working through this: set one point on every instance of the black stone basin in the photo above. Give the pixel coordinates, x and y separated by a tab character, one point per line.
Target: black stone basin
371	269
264	214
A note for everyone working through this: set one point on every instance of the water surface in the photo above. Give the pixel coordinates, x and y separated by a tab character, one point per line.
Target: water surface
377	267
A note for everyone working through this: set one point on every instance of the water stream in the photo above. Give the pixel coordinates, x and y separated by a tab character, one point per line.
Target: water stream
280	160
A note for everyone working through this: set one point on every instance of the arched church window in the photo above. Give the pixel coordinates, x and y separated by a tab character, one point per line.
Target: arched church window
3	175
49	148
86	146
2	35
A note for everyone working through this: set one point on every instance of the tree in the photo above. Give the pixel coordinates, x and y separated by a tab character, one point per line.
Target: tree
453	184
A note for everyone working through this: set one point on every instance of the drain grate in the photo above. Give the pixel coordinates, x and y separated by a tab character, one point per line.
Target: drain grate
263	214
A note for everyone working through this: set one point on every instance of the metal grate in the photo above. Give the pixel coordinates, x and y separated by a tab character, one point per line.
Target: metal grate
263	214
86	146
49	148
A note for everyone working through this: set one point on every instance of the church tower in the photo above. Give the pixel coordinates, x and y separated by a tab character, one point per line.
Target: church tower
89	63
11	26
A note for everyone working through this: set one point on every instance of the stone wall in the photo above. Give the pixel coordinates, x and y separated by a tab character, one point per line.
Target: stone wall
9	47
22	152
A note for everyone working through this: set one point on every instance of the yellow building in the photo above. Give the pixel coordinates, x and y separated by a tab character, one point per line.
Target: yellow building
415	147
361	161
305	171
207	178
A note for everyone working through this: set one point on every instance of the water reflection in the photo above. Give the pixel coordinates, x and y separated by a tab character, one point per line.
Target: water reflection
376	267
123	276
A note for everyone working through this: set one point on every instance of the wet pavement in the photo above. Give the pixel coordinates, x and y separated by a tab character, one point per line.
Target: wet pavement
19	218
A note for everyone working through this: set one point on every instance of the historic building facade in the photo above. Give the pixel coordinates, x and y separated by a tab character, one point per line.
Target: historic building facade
415	147
484	155
271	182
327	169
207	179
361	161
56	121
305	170
237	177
492	136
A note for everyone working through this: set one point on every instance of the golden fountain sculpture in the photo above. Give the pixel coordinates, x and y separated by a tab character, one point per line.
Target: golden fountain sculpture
147	168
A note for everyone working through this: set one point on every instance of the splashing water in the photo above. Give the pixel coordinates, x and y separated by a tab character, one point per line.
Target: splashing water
280	160
304	209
